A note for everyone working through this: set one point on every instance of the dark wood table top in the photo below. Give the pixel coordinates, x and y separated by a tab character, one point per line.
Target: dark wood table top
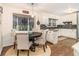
35	34
32	34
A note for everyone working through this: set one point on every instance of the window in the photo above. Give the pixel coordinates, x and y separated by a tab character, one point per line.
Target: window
52	22
23	23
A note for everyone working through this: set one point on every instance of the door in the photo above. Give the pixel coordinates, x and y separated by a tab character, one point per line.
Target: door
0	36
77	32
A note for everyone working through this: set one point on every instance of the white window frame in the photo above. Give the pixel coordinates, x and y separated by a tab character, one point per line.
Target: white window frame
17	27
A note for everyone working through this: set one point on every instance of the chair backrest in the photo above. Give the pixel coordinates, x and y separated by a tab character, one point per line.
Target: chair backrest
44	34
22	41
44	37
50	35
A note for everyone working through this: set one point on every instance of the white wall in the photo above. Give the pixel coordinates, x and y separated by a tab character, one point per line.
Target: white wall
7	23
44	17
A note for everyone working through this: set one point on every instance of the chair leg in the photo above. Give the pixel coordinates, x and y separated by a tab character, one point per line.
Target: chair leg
44	48
14	45
46	45
15	42
28	53
17	52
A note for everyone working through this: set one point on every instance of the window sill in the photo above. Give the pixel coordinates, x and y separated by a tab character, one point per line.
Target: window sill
22	31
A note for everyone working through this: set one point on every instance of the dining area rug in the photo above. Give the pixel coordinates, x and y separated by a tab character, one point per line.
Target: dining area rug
38	52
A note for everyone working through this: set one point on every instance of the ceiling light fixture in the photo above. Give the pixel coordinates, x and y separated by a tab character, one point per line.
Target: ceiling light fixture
70	10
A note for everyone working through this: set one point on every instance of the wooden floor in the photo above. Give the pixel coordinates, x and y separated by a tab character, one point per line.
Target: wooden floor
62	48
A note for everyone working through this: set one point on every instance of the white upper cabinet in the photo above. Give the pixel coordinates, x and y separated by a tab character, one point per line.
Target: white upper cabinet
70	17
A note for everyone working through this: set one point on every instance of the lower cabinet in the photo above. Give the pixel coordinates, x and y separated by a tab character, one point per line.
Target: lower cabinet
68	33
52	37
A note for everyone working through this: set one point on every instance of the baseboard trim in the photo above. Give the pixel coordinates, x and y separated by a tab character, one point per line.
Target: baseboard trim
7	44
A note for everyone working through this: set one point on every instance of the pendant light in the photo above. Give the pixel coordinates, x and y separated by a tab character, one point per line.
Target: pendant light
32	4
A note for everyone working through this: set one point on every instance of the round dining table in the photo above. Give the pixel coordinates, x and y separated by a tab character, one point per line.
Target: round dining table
33	37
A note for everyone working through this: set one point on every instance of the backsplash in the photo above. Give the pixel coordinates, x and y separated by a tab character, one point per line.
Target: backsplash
42	26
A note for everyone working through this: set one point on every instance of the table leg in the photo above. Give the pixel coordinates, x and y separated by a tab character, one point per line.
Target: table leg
33	45
15	42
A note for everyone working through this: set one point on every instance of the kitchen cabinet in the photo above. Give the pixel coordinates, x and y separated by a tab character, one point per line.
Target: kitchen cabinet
68	33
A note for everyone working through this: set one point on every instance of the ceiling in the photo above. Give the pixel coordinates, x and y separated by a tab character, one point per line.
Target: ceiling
54	8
